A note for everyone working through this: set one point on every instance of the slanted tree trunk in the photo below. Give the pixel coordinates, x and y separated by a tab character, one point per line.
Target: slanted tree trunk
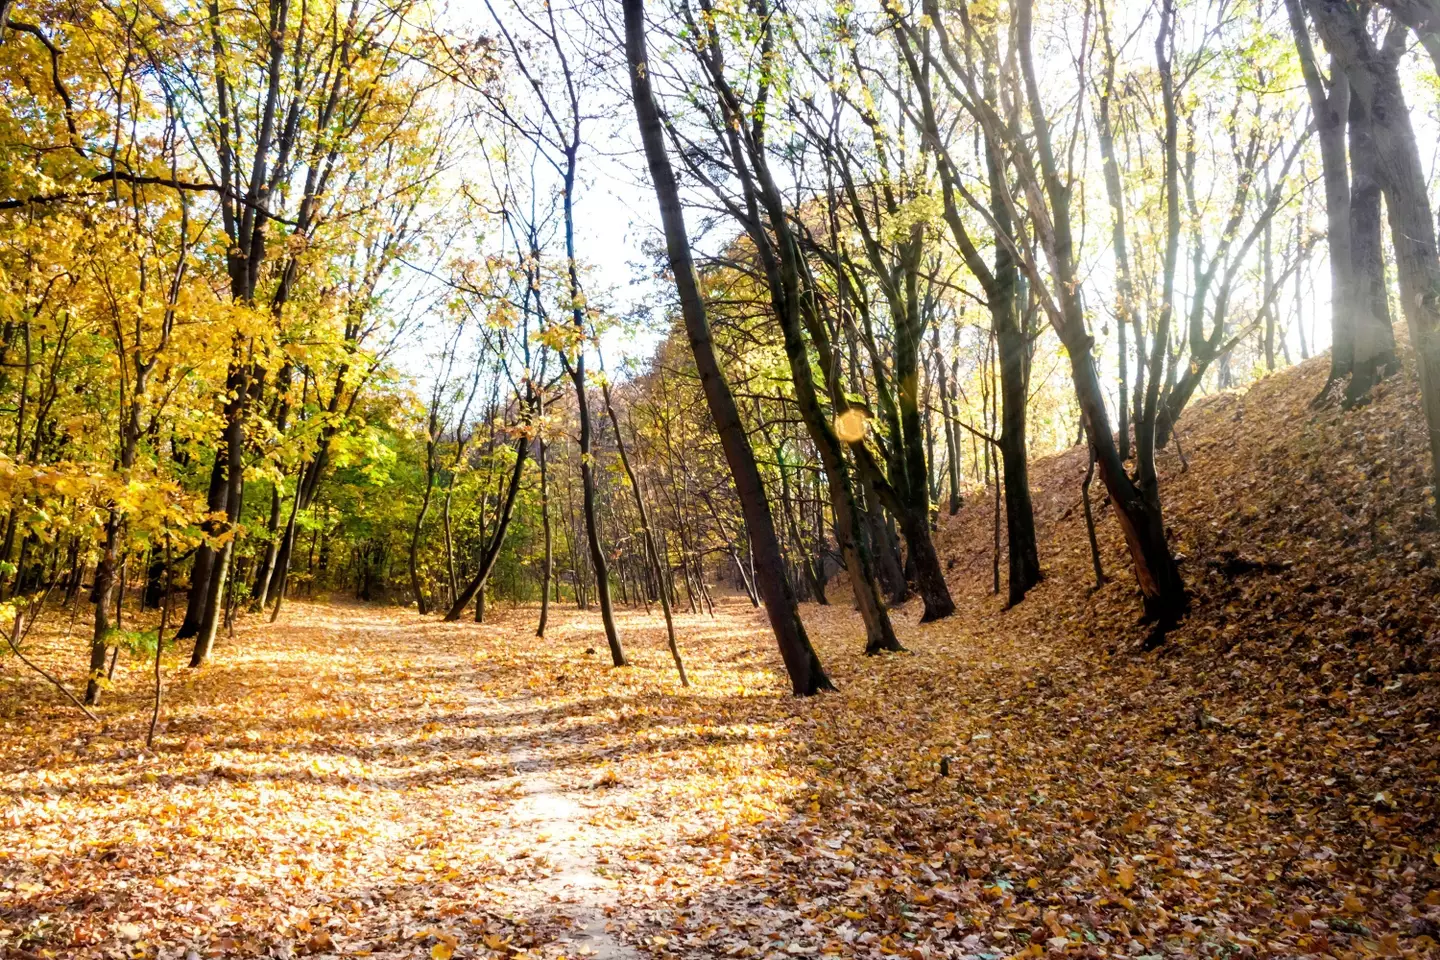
261	591
768	225
421	603
807	676
415	586
266	571
1137	503
650	550
908	473
491	551
582	403
281	575
451	579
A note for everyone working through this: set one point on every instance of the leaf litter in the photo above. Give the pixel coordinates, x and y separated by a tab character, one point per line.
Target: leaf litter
355	781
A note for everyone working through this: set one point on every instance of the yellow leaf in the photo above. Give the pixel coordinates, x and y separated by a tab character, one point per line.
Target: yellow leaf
1126	876
442	951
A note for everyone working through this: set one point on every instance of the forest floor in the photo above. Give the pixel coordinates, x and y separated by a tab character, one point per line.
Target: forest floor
358	781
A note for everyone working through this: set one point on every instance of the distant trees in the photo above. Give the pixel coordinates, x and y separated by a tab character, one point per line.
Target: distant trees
208	158
296	296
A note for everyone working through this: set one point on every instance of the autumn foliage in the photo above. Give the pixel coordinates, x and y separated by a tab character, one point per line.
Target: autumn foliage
992	513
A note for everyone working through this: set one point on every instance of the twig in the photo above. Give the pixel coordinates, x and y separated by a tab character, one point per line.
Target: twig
1184	464
1100	578
19	633
160	645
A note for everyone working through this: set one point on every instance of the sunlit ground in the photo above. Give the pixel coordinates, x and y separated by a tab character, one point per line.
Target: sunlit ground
345	784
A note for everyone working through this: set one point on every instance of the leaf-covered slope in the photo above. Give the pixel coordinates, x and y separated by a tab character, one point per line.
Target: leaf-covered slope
1294	524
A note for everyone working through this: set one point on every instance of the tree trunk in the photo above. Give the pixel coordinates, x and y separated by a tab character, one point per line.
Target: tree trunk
1000	285
1100	577
592	523
1126	307
449	541
915	519
420	602
889	565
261	593
947	416
1375	80
650	551
1331	110
104	595
1021	541
491	551
1137	505
548	568
582	403
209	624
239	385
807	676
156	576
1373	351
204	561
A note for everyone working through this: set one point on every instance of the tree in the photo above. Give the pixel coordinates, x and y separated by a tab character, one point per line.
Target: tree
807	676
1372	74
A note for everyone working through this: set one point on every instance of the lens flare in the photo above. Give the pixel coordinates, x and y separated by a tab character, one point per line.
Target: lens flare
850	425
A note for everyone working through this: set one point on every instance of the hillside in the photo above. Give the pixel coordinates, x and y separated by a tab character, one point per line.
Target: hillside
1300	693
1027	782
1295	526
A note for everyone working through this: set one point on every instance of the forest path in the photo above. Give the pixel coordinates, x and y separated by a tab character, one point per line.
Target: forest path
560	832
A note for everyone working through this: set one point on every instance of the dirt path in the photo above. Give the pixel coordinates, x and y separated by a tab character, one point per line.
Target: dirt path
553	820
356	781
